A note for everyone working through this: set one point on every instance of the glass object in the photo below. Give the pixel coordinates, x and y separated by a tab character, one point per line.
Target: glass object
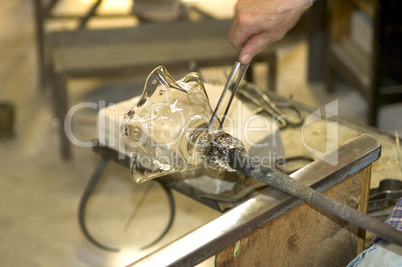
213	148
165	124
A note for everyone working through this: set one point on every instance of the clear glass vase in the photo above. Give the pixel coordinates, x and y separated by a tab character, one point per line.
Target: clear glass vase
164	125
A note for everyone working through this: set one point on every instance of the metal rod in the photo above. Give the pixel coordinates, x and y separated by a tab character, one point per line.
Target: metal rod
48	9
242	161
40	18
242	71
235	68
90	14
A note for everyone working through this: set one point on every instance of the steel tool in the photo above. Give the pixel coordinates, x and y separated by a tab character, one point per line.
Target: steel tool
385	195
279	111
236	76
241	161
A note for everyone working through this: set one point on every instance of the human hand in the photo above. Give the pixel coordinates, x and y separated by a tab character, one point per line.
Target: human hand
258	23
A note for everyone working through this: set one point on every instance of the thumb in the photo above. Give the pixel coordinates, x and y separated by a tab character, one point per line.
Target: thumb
252	47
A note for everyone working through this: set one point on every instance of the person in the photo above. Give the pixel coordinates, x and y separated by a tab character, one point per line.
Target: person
383	253
258	23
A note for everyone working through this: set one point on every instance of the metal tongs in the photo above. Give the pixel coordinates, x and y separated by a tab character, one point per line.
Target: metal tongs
240	70
276	110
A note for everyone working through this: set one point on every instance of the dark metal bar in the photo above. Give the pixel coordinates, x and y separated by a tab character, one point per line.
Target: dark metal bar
239	78
236	67
90	13
49	8
318	35
242	161
39	20
60	97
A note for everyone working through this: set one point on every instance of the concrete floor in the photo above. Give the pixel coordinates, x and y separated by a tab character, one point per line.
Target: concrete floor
39	193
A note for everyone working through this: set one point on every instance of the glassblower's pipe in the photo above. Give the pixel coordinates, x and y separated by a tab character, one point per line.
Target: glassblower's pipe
242	161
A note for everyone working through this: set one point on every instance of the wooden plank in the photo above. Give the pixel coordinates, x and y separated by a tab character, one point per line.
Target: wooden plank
305	236
364	198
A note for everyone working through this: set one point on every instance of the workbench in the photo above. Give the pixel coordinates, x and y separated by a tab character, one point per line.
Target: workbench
273	227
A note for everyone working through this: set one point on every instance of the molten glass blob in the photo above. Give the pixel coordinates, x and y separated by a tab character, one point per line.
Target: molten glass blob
213	149
164	126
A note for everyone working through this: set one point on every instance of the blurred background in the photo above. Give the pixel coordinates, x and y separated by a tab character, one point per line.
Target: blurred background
320	61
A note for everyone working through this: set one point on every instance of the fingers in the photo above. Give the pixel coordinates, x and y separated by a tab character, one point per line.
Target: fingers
249	34
256	44
240	32
247	39
258	23
252	47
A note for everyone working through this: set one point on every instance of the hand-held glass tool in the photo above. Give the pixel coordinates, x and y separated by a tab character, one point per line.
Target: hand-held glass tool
236	76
